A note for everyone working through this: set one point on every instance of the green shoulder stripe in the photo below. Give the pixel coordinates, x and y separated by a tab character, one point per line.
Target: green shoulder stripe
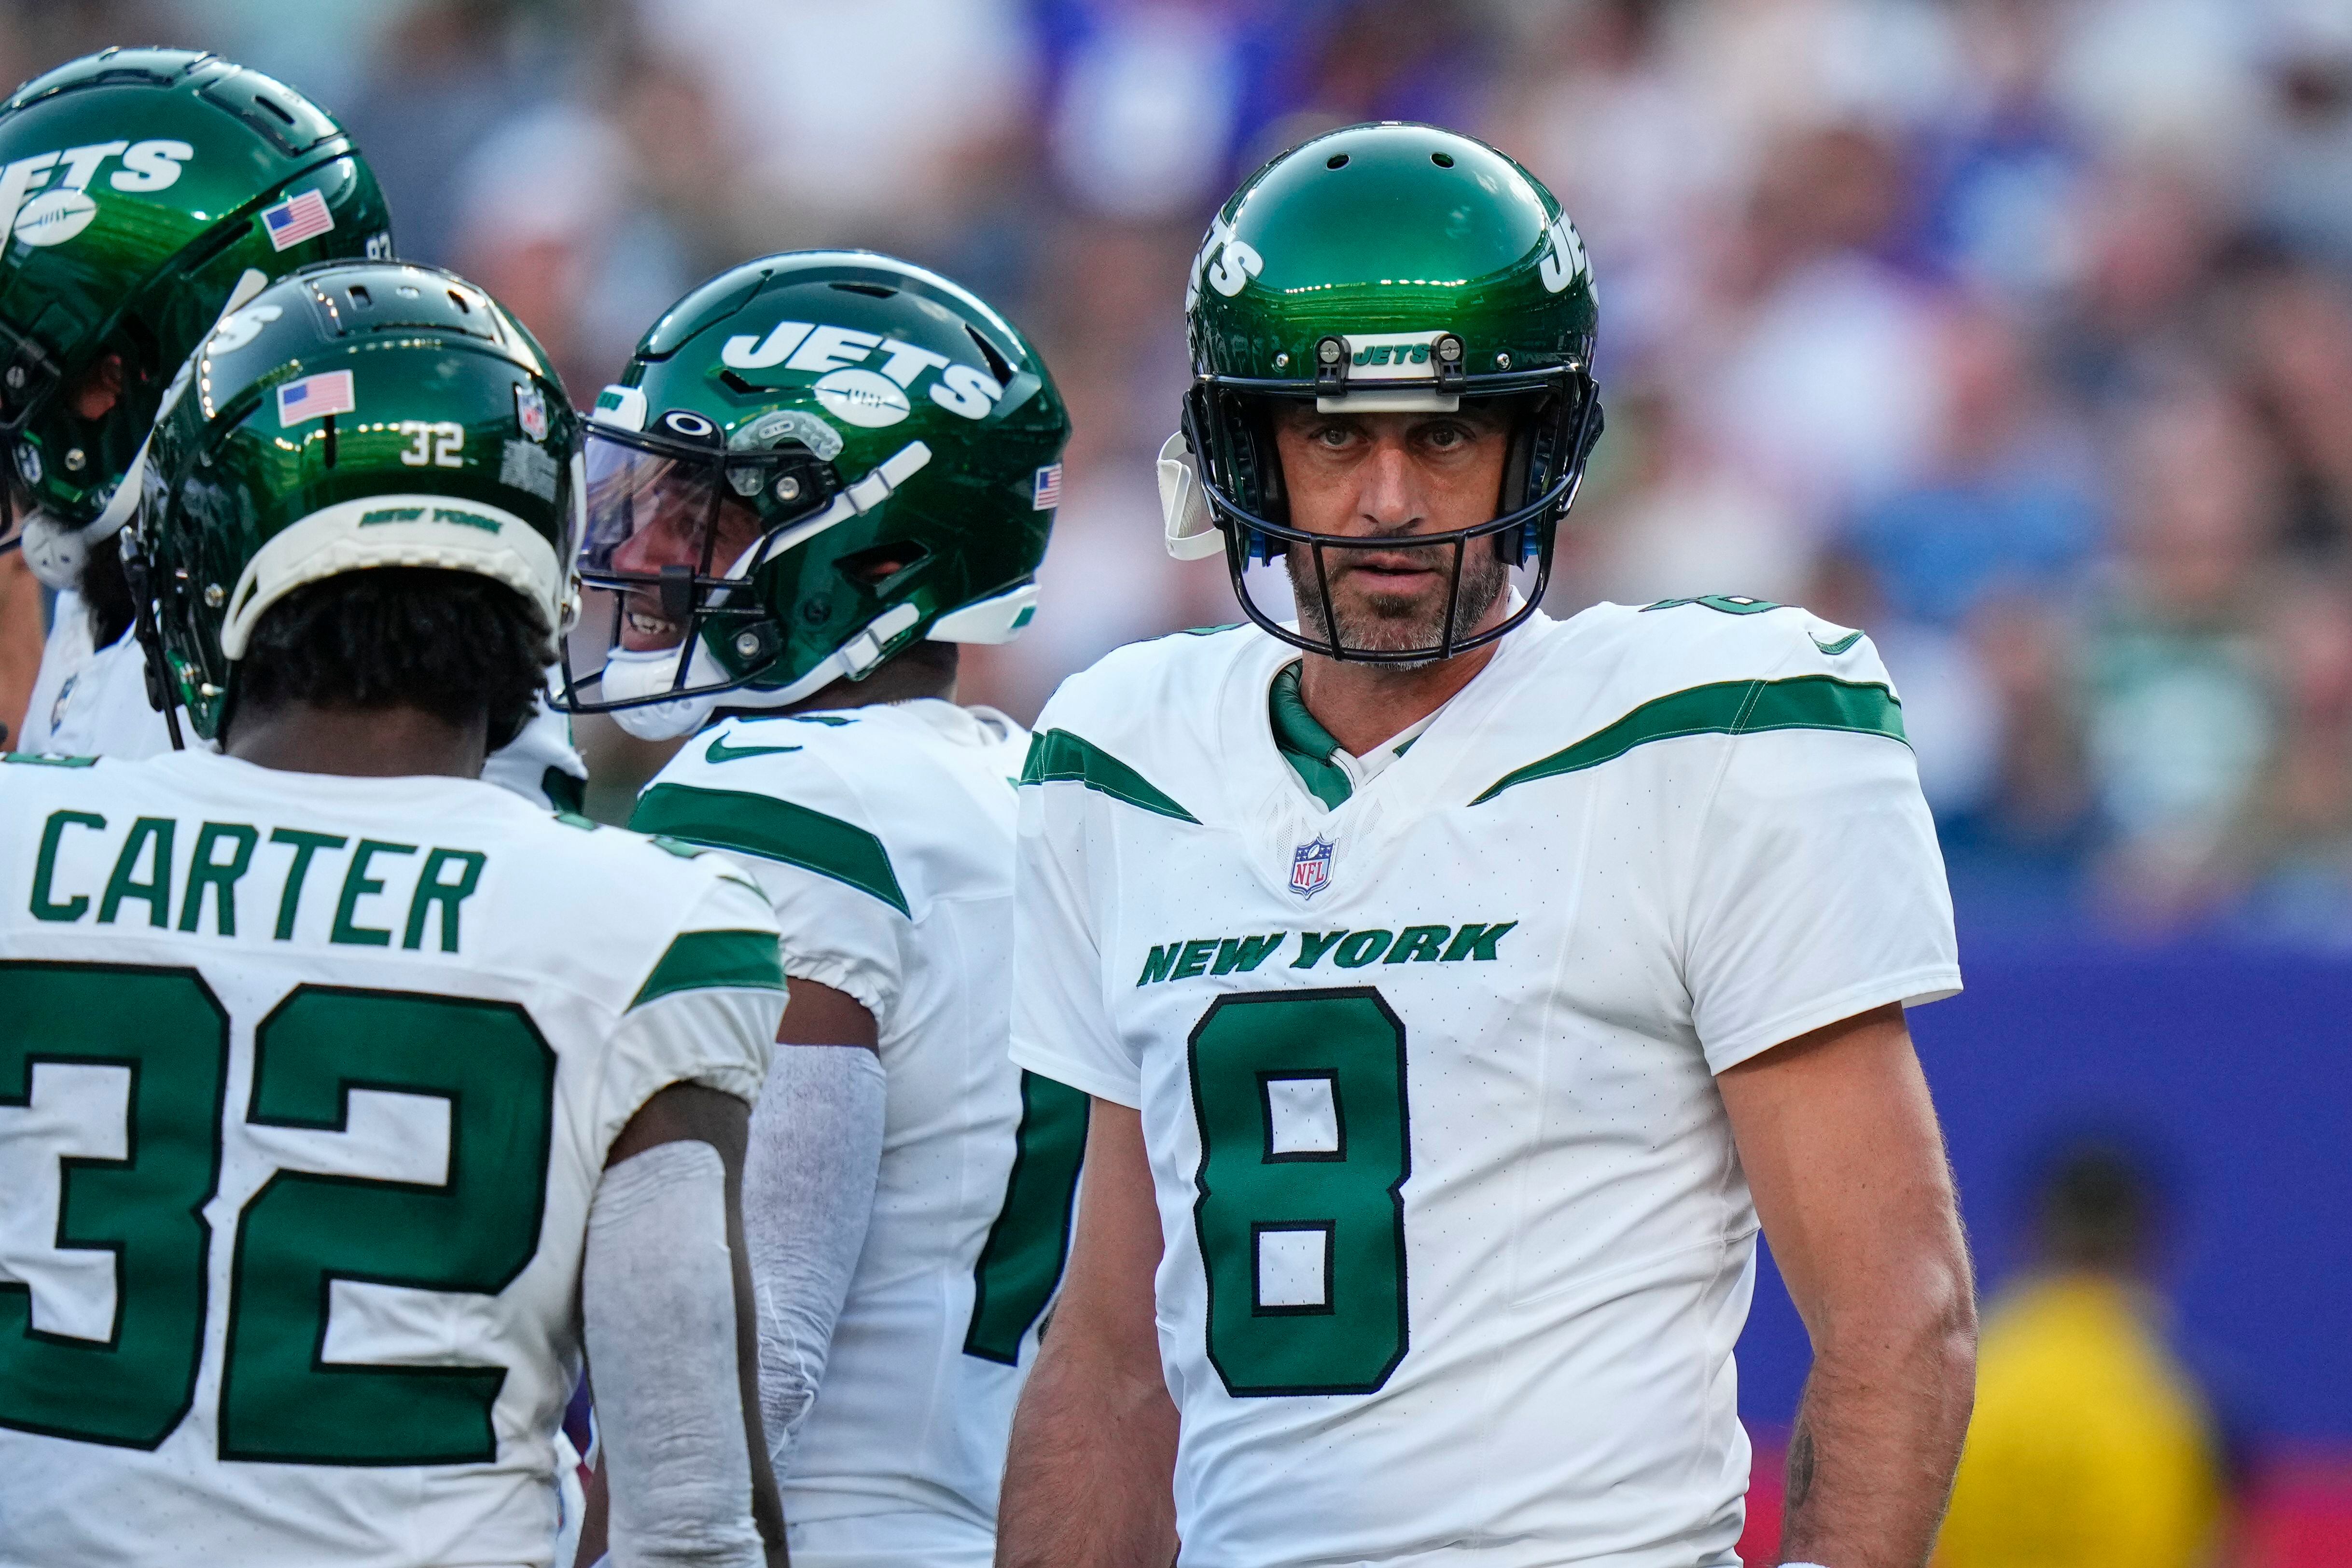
1725	707
1058	757
772	830
712	960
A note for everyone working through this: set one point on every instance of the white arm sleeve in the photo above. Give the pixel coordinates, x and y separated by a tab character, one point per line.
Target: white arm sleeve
658	1295
808	1194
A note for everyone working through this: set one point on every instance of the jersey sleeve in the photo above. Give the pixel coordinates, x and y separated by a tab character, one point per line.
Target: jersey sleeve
1061	1026
706	1009
797	827
1816	888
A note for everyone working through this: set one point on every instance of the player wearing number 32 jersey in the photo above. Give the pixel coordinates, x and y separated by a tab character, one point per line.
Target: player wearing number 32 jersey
1431	994
345	1098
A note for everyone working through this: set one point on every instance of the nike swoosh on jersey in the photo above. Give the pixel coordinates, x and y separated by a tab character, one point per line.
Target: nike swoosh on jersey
720	751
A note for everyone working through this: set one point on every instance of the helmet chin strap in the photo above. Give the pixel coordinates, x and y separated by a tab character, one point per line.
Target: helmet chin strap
647	671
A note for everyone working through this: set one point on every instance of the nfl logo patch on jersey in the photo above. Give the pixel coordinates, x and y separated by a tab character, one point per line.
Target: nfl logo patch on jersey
530	408
1310	867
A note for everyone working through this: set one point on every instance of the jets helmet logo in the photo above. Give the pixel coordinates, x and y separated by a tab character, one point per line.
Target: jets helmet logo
46	199
870	398
1563	255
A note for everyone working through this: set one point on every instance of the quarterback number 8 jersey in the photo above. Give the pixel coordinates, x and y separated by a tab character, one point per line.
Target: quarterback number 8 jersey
1426	1077
1301	1104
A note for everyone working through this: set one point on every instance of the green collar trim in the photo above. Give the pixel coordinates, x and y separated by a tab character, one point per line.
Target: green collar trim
1304	743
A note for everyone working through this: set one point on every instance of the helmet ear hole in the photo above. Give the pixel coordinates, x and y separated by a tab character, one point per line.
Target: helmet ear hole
876	565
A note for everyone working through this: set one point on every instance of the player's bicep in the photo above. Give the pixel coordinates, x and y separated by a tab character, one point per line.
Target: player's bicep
819	1015
1105	1306
1839	1141
687	1112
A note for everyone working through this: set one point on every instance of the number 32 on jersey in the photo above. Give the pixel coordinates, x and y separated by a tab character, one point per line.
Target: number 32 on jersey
113	1082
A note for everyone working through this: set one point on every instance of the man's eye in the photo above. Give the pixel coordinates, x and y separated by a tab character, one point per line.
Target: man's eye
1332	435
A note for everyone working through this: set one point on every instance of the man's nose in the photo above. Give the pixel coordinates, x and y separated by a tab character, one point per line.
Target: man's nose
1389	500
657	545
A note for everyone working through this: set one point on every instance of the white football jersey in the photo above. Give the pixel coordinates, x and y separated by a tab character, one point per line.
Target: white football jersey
1457	1239
306	1086
884	837
92	702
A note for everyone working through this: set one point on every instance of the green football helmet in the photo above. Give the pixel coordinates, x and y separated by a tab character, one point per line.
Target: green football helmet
144	193
814	460
356	415
1383	268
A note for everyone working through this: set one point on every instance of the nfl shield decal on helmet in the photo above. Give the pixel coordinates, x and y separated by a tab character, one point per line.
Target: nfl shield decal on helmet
530	408
1310	867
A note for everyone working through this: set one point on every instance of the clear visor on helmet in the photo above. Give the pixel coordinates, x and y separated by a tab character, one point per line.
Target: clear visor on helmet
666	532
678	522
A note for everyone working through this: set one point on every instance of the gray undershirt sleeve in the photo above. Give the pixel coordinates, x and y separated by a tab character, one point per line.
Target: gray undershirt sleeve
809	1177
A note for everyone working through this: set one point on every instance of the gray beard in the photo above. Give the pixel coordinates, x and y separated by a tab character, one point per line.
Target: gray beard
1484	577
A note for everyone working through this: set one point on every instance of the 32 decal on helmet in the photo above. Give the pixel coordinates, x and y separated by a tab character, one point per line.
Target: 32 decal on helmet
356	415
143	194
813	460
1389	268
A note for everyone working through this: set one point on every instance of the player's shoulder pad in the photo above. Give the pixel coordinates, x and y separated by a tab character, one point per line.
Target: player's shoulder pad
822	791
45	759
808	759
1677	643
1625	676
642	856
1136	724
38	777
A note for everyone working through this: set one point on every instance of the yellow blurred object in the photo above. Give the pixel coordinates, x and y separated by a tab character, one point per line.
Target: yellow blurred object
2091	1446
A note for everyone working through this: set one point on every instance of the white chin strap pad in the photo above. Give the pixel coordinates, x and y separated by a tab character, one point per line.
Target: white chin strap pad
1184	505
56	552
648	672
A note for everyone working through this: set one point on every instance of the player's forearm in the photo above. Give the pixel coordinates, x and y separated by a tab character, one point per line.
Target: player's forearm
1878	1435
1087	1475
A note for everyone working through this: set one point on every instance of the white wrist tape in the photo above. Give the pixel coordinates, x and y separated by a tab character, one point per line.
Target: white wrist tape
658	1295
808	1197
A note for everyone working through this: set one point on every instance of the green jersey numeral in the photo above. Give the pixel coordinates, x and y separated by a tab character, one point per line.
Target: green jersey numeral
281	1399
1022	1262
278	1400
169	1033
1305	1149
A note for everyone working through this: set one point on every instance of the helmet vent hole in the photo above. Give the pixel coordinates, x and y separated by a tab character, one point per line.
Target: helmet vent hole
263	100
1337	161
997	364
877	290
1443	159
459	301
360	296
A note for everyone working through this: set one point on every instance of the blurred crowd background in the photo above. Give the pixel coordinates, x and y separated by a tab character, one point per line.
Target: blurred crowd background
2014	331
2017	332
